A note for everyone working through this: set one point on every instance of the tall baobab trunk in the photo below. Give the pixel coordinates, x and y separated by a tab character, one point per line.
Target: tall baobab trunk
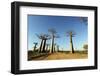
41	46
52	44
47	47
43	38
58	48
35	46
54	47
53	35
71	43
44	44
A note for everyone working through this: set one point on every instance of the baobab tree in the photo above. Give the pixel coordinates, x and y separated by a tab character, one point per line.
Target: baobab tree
53	35
35	44
71	34
41	36
46	37
54	47
85	46
47	46
58	48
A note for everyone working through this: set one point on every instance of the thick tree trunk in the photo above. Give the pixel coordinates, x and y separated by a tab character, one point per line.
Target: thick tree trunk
41	46
57	48
47	47
35	47
71	44
44	46
52	45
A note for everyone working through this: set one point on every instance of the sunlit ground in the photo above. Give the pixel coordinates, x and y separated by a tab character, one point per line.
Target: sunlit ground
57	55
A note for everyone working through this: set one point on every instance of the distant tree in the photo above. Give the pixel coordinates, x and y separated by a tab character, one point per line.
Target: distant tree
35	44
40	36
46	37
55	47
71	34
58	48
53	35
43	38
47	45
85	46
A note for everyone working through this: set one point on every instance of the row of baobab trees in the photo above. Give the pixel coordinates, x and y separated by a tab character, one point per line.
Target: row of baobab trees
53	34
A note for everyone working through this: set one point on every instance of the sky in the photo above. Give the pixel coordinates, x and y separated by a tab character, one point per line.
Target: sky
38	24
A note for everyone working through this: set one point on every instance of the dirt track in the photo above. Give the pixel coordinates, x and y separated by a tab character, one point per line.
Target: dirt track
59	55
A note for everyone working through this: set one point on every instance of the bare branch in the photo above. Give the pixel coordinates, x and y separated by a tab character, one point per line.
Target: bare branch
43	36
52	30
72	33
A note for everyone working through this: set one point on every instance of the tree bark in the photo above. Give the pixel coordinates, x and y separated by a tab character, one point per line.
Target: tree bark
44	46
47	47
52	45
71	44
35	47
41	46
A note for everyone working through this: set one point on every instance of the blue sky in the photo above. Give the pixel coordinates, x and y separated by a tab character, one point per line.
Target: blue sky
38	24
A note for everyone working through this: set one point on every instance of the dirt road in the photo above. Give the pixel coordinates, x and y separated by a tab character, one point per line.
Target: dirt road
59	55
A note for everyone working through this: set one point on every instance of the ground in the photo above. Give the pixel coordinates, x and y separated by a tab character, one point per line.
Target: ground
61	55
